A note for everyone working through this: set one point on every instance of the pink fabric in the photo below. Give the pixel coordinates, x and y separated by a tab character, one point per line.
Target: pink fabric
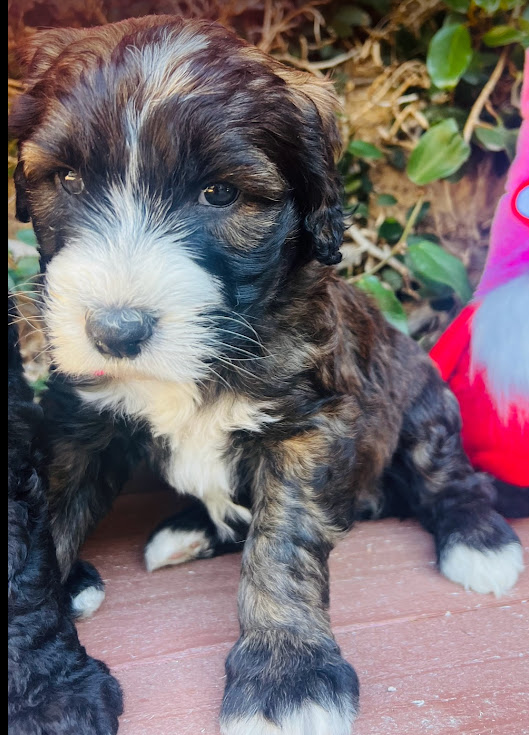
508	255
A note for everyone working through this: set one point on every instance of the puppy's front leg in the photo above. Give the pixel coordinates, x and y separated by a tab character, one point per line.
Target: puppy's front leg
285	674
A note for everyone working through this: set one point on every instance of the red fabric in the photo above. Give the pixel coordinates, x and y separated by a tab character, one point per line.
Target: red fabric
491	445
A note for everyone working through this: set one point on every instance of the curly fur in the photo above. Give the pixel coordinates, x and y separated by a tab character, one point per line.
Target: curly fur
54	687
259	382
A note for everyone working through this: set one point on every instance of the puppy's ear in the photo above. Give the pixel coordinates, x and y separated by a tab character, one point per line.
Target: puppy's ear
36	57
319	187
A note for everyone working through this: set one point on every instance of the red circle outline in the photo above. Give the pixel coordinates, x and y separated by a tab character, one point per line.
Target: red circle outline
522	217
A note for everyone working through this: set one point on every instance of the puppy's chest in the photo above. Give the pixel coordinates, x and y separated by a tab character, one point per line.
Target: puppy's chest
199	457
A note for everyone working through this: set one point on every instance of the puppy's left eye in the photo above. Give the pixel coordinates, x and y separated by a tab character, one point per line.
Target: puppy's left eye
71	181
218	195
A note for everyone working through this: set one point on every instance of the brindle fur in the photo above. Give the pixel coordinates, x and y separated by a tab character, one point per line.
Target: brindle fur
360	423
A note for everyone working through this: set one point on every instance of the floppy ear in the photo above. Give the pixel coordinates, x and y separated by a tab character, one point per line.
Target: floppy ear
36	57
319	185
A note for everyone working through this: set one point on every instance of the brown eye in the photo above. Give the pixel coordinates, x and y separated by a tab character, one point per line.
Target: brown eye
218	195
71	181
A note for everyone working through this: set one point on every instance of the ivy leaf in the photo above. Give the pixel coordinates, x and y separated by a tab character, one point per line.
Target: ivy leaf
386	200
27	236
494	139
388	303
433	266
363	149
449	55
460	6
347	18
26	267
502	36
489	6
390	230
440	152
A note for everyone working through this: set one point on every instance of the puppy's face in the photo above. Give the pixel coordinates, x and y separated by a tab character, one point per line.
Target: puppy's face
175	177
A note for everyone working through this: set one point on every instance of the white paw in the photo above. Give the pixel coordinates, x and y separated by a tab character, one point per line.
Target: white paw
487	570
169	547
87	602
311	719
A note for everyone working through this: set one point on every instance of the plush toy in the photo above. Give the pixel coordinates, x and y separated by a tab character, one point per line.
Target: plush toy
484	354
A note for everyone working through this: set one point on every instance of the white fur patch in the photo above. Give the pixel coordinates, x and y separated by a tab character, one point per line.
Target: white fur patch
500	341
138	259
483	571
169	547
198	437
311	719
87	602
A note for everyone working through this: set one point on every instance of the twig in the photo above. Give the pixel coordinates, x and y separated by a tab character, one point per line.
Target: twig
370	247
397	248
318	65
483	96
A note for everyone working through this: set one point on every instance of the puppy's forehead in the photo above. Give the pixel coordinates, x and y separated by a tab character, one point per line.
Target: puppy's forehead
155	94
155	64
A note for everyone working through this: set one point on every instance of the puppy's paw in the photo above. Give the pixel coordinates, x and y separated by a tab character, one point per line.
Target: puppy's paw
488	559
278	685
85	701
170	546
85	588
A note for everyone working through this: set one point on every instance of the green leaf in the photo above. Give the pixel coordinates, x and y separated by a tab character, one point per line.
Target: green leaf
438	154
27	236
460	6
353	185
363	149
352	15
431	265
25	268
478	71
489	6
347	18
492	139
390	230
449	55
361	210
386	200
502	36
423	211
392	278
387	302
396	158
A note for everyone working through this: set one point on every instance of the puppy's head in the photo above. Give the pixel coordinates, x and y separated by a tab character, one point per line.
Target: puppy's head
175	177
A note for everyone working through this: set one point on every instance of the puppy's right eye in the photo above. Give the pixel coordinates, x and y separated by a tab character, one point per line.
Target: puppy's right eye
71	181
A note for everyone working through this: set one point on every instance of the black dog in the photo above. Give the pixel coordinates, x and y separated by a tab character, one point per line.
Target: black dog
53	686
186	200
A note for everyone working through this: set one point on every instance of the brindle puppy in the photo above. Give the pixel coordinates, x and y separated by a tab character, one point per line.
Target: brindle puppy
183	189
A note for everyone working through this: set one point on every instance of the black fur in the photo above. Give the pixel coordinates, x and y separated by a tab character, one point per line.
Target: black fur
268	381
54	687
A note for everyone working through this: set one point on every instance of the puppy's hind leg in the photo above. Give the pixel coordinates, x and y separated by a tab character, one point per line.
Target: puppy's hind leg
475	545
193	534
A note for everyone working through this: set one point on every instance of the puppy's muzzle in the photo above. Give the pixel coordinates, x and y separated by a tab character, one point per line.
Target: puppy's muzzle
119	332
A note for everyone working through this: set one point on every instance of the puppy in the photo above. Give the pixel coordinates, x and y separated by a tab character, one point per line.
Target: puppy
53	687
184	193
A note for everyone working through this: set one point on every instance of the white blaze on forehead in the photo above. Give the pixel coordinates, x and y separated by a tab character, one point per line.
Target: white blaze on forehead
165	64
164	69
133	255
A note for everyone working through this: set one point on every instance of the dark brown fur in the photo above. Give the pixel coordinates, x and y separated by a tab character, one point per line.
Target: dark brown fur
359	423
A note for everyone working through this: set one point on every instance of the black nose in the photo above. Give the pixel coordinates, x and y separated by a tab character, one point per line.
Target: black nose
119	332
